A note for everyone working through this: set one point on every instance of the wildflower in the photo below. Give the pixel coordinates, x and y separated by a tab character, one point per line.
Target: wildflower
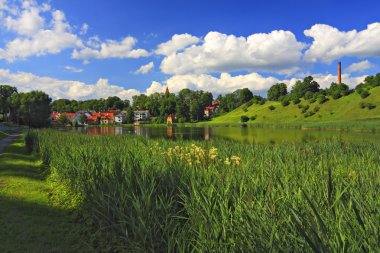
213	153
236	160
227	161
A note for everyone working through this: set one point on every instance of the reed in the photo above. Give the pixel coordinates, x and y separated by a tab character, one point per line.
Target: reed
220	196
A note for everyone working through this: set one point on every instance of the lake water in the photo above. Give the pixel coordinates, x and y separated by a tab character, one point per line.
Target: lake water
246	135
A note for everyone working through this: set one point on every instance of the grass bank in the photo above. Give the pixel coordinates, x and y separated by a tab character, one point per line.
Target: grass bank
220	196
29	221
349	112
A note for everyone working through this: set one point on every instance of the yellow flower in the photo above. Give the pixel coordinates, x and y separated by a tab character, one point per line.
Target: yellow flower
227	161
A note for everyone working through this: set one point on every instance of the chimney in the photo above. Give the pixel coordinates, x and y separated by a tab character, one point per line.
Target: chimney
339	73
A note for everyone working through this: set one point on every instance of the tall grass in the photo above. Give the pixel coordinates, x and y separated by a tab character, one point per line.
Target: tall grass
152	196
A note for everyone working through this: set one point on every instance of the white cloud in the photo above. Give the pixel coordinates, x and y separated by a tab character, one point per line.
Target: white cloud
329	43
110	49
84	29
273	52
177	42
359	66
73	69
144	69
36	36
226	83
63	88
217	85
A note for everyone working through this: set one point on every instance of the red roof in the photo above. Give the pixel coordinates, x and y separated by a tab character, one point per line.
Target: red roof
210	108
69	114
54	114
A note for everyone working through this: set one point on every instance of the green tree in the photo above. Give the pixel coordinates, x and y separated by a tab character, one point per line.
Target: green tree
6	92
277	91
64	120
301	88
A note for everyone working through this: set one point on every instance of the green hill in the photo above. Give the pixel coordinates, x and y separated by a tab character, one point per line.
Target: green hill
345	112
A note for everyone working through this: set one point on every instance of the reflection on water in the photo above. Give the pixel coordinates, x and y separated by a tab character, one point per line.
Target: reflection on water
244	135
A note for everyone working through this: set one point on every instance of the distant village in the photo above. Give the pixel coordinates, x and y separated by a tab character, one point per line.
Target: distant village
118	117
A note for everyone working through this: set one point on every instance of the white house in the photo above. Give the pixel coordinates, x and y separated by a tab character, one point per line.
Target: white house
120	118
141	115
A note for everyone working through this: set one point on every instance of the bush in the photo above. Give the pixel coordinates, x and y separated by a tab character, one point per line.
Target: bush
244	118
245	108
285	103
253	117
336	95
296	101
362	105
312	101
322	99
316	109
271	107
309	114
371	106
300	106
364	94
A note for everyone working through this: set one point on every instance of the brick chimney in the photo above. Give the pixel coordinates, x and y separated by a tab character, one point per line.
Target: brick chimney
339	73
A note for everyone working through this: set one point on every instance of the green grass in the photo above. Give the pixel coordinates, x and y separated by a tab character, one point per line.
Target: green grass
164	196
342	113
28	220
3	135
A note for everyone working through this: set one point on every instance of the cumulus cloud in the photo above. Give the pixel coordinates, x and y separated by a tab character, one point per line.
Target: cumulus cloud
177	42
64	88
73	69
37	36
329	43
145	68
275	51
226	83
110	49
359	66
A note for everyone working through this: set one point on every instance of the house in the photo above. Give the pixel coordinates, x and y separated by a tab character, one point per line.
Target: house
120	118
141	116
107	118
93	119
209	111
171	119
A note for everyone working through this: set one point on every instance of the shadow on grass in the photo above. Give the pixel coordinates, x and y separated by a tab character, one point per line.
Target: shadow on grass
28	223
30	227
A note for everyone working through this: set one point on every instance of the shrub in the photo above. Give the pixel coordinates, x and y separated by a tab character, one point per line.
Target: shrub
300	106
309	114
253	117
371	106
364	94
316	109
296	101
336	95
322	99
244	118
245	108
272	107
312	101
285	103
362	105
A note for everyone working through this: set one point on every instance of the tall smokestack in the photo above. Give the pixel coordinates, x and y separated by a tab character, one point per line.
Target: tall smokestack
339	73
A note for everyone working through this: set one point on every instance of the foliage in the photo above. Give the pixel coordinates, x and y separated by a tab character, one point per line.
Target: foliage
277	91
364	93
6	92
31	108
302	87
64	119
244	118
271	107
296	101
370	106
220	196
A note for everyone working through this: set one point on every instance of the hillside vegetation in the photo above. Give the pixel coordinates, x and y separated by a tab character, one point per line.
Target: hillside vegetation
347	111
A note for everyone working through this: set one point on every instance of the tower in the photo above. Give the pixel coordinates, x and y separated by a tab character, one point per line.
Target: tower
339	73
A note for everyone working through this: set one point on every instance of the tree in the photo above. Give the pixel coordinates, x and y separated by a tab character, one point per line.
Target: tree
64	119
301	88
31	108
338	90
129	115
277	91
6	92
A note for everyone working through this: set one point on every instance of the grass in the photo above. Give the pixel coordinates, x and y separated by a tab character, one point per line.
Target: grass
342	113
28	220
220	196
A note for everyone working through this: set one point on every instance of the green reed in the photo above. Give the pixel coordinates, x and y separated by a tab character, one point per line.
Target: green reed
310	197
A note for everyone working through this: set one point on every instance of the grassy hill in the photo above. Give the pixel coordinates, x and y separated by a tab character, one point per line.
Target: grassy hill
341	113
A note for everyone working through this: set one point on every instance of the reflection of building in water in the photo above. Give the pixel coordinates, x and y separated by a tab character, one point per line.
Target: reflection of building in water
119	131
170	132
142	131
107	131
93	130
207	131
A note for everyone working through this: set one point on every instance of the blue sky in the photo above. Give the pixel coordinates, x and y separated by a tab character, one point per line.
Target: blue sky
89	49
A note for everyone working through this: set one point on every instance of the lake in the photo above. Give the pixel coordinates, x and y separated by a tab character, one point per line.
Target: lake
244	135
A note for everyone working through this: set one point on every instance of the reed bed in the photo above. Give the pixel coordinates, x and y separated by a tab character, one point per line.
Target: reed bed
220	196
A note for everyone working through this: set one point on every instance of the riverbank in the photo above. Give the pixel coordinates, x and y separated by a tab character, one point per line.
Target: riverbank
29	222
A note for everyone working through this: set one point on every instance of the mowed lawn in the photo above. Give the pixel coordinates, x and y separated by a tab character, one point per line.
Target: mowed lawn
28	222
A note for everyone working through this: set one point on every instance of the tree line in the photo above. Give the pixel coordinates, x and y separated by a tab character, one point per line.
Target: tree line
34	108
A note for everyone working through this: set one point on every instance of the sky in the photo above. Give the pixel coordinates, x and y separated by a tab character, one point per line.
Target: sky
94	48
